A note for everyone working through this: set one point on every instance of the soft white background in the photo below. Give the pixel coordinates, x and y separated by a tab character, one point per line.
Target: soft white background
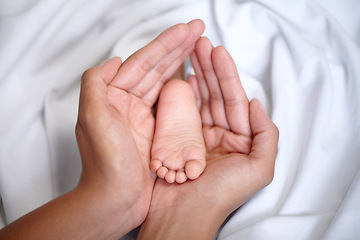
301	58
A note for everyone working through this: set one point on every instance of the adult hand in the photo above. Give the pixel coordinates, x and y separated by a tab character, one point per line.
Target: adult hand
114	133
241	146
116	126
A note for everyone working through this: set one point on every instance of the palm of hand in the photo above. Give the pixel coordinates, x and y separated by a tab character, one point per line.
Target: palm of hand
135	119
219	140
135	114
229	165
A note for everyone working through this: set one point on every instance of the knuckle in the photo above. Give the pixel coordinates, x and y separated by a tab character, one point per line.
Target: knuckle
144	62
162	46
216	95
87	74
276	131
267	176
85	118
77	128
160	68
233	101
90	74
265	171
273	129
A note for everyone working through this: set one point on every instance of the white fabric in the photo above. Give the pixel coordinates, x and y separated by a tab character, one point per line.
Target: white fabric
301	58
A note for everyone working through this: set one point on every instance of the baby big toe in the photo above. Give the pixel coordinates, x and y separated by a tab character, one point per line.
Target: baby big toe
194	168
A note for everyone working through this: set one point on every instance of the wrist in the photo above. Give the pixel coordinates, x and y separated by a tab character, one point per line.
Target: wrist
104	219
110	210
180	220
80	214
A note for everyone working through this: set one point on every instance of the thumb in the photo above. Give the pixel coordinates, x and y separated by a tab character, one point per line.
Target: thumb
265	141
93	92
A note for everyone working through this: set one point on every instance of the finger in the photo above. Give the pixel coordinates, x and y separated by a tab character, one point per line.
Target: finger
235	100
146	58
194	85
204	50
159	59
264	145
150	87
93	93
203	90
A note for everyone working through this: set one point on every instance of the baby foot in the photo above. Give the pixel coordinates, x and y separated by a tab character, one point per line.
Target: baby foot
178	149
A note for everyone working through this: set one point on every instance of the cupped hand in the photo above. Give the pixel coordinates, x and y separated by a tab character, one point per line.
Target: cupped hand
241	140
241	146
116	126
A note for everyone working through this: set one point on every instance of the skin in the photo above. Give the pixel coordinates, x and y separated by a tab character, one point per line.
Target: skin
178	150
241	146
114	133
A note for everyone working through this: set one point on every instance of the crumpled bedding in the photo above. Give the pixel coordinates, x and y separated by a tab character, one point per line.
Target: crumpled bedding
300	58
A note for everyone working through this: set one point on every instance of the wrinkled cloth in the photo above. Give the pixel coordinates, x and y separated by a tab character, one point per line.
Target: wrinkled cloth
300	58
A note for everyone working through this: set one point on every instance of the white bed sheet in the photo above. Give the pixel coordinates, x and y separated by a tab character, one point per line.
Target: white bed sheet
301	58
